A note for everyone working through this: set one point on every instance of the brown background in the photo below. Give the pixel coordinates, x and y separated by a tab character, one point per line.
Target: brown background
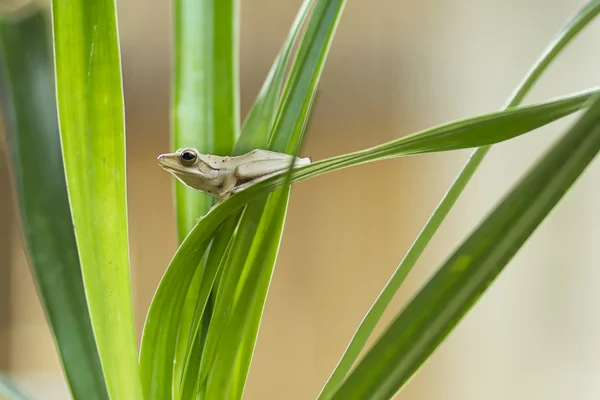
395	67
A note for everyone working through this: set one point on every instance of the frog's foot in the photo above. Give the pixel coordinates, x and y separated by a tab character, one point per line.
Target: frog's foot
209	210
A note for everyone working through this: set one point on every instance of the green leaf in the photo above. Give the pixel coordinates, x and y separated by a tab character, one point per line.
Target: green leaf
160	329
254	129
462	279
304	78
29	107
226	377
467	133
90	104
205	115
251	274
572	28
168	299
214	265
258	125
158	340
205	90
254	134
10	391
371	319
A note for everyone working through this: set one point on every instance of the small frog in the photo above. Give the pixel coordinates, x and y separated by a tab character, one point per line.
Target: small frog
221	177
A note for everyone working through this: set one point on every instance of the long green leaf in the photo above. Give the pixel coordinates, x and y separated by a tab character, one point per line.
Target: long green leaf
239	337
227	378
304	78
205	90
254	129
371	319
159	337
160	329
463	134
205	115
255	133
214	265
459	283
91	120
258	125
472	132
30	111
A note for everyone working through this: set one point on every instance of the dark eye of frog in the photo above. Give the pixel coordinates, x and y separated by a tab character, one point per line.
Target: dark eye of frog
188	157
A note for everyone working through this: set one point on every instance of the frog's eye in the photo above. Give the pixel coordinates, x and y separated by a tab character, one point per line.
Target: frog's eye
188	157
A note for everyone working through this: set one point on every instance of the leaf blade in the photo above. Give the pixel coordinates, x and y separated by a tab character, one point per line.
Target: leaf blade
205	109
91	120
178	277
237	341
159	336
34	145
453	290
371	319
205	115
456	135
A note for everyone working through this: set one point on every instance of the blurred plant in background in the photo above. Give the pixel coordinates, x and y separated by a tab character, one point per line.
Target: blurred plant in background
68	162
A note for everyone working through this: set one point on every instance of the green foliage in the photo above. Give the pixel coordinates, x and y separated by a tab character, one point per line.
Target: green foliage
463	278
36	158
92	128
368	324
205	92
205	115
202	325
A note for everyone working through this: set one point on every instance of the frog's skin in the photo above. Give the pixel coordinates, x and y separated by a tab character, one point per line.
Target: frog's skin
221	177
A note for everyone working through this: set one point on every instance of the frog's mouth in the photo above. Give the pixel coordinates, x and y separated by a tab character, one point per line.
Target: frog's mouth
167	163
172	165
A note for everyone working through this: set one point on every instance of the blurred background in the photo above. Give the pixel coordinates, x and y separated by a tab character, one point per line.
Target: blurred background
396	66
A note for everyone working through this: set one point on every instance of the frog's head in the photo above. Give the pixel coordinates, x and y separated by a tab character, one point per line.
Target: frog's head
187	166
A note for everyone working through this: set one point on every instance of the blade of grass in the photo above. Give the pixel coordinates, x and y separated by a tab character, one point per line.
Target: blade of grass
254	135
463	278
240	334
248	303
186	320
371	319
159	335
232	271
266	98
205	115
520	120
259	123
29	107
160	329
205	90
461	134
304	78
214	264
471	132
224	369
253	292
90	104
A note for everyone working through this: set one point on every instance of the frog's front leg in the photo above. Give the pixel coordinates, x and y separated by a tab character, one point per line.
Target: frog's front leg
222	192
209	210
246	185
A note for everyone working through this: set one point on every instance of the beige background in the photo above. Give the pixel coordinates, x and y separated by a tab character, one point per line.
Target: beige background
395	67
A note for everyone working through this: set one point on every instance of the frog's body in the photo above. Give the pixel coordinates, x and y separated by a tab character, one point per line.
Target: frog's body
221	177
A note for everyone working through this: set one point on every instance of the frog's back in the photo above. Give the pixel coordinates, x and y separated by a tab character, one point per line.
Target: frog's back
217	162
